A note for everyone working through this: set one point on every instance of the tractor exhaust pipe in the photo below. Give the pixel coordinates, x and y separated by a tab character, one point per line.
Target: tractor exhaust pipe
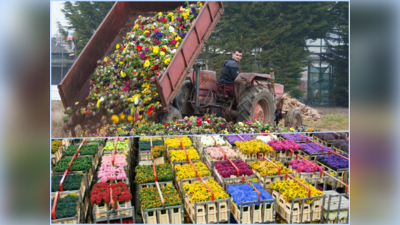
273	83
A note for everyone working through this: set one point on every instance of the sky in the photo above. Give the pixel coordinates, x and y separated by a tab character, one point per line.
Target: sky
57	15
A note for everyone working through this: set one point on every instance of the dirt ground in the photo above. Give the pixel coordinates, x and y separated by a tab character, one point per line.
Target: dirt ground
332	119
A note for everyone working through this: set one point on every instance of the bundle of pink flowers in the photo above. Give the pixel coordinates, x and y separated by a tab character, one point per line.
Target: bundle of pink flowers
107	173
306	167
216	153
120	160
284	145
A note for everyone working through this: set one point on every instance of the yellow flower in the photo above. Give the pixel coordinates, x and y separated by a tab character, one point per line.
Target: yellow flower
146	63
121	62
178	38
145	32
167	25
122	116
167	61
146	85
162	53
98	103
177	45
172	18
155	49
136	26
115	119
105	59
123	74
143	121
142	74
117	46
160	13
170	14
130	118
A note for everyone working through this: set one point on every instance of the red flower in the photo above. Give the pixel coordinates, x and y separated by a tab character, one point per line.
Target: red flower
156	67
123	47
173	41
177	123
87	113
97	91
116	103
148	78
166	124
138	48
163	49
150	110
147	57
208	121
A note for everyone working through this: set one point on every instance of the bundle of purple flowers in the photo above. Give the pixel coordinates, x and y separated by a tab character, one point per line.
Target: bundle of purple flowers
233	138
246	193
292	137
226	169
342	144
330	136
312	148
284	145
333	161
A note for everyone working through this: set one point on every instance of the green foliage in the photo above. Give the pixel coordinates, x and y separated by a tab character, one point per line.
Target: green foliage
65	118
79	164
84	18
66	207
272	34
145	173
340	52
296	93
144	145
71	182
85	150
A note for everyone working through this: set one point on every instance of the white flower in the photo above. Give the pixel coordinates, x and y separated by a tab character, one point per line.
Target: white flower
136	101
171	29
173	51
102	99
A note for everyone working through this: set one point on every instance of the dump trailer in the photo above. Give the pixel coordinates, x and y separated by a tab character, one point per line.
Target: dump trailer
75	86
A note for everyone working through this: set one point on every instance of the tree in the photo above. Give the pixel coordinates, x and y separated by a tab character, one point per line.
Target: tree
84	18
340	50
271	34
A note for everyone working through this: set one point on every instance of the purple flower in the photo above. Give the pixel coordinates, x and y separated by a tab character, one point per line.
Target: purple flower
312	148
179	19
183	35
142	56
147	48
222	126
148	34
333	161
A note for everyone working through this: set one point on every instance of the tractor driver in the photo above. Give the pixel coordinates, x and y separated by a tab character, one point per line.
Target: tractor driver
230	68
229	73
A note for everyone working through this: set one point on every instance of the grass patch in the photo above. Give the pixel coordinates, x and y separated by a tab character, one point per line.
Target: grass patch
57	113
330	122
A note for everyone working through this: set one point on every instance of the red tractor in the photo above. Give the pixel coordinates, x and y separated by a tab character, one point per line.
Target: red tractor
252	97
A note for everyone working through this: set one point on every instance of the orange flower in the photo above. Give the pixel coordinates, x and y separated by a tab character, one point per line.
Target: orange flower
311	129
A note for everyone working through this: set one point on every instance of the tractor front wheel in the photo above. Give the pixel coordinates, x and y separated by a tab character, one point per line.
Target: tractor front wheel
293	119
256	104
172	114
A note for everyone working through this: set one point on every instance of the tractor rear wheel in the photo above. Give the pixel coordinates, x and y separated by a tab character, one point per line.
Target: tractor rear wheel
183	96
293	119
172	114
256	104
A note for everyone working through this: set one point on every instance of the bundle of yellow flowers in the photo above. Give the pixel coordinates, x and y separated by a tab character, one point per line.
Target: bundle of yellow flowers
174	142
290	190
266	168
253	147
198	192
180	155
186	171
